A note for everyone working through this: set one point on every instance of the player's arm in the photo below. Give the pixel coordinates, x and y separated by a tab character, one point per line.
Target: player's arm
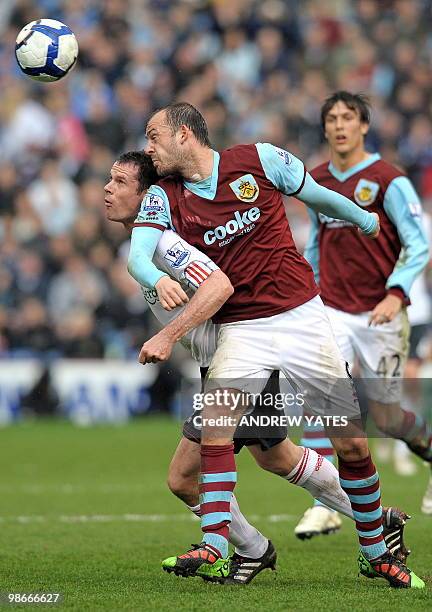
151	222
212	293
311	252
182	261
288	174
402	206
212	288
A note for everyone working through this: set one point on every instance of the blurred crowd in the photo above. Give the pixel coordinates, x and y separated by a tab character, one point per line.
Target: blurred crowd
259	70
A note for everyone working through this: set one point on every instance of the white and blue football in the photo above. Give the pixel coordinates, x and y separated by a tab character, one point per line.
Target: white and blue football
46	50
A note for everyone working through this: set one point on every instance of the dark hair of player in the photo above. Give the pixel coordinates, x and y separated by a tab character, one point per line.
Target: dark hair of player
356	102
183	113
147	174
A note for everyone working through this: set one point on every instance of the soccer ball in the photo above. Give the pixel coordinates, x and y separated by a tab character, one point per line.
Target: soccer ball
46	50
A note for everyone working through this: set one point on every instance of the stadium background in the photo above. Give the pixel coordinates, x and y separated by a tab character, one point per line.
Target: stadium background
259	71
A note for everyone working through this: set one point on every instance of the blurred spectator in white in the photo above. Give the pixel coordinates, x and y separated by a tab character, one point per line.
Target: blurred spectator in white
53	196
27	129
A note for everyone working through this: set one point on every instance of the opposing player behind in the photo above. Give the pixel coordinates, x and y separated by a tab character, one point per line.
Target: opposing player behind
230	205
131	175
365	285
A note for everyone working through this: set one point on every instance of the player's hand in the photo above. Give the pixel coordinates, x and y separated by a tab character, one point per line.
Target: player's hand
386	310
377	231
158	348
170	293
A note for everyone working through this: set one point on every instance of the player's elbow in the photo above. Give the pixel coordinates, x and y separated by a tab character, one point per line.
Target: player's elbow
420	257
136	269
132	265
424	255
224	284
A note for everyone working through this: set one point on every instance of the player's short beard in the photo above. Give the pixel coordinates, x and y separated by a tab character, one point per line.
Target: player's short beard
174	168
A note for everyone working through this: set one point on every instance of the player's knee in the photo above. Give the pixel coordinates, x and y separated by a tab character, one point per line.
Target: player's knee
271	466
271	463
389	419
352	449
388	429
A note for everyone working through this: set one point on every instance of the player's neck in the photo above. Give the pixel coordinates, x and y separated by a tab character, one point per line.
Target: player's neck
199	166
128	225
346	161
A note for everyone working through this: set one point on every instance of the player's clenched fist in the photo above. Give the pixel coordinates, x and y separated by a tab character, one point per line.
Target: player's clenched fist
156	349
170	293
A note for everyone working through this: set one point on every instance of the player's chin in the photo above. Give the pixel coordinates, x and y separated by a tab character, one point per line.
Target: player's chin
342	146
112	216
162	170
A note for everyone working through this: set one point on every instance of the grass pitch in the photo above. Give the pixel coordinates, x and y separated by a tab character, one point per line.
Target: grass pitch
86	513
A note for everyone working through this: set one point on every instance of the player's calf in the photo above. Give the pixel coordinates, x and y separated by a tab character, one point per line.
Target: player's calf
184	471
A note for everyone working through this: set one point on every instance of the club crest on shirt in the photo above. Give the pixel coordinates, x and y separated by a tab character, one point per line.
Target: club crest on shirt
245	188
177	255
366	192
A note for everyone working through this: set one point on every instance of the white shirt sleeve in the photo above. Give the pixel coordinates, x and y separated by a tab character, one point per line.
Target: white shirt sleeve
182	261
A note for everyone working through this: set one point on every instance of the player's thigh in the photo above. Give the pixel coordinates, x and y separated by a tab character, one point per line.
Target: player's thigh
314	365
186	461
340	323
307	343
244	358
382	351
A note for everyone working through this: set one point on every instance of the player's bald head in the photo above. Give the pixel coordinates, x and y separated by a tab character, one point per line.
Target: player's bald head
182	113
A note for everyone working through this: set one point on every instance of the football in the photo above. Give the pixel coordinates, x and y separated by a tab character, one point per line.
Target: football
46	50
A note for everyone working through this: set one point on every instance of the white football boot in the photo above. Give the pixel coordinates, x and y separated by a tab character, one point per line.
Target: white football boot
403	460
427	499
316	521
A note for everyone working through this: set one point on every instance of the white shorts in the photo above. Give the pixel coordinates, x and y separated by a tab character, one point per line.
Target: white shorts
381	351
301	344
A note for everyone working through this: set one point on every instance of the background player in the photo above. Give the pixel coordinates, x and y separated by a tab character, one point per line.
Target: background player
131	175
365	284
275	297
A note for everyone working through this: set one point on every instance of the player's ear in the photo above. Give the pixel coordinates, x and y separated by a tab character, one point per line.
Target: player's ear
364	128
184	133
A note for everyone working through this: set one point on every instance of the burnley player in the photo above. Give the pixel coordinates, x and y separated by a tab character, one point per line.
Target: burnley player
230	205
131	175
365	284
